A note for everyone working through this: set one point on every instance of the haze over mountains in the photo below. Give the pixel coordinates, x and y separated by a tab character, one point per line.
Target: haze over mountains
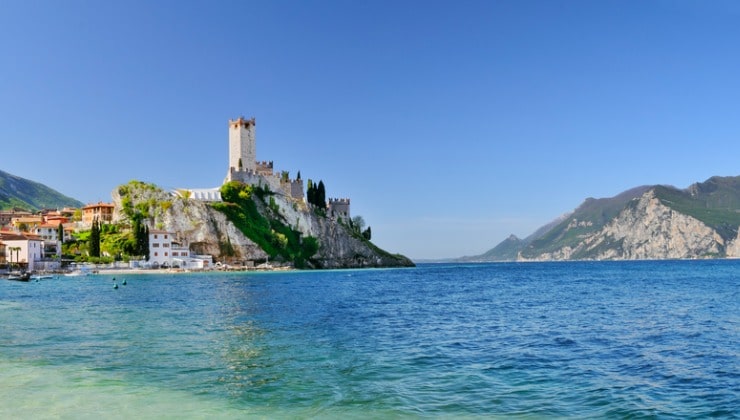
647	222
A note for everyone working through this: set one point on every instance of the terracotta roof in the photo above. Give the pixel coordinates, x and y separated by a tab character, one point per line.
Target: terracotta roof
27	219
90	206
25	236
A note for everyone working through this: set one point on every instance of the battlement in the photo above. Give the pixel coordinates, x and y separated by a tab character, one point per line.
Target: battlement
242	122
338	207
264	167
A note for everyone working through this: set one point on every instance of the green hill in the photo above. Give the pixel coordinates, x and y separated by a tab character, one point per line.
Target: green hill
715	202
19	192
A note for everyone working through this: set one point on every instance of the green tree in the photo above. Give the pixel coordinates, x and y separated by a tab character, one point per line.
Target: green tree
367	234
321	195
358	224
310	192
141	238
94	244
60	233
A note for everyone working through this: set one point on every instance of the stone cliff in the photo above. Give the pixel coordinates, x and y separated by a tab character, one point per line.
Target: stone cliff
646	222
209	231
646	229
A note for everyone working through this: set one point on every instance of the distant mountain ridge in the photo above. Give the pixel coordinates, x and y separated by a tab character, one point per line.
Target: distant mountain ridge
646	222
30	195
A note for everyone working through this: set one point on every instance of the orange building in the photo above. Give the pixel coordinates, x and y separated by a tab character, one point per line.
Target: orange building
102	211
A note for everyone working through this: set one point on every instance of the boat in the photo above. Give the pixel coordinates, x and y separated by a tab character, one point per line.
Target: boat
18	276
78	273
42	277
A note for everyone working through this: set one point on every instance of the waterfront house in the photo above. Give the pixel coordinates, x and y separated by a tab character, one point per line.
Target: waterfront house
22	249
160	244
165	250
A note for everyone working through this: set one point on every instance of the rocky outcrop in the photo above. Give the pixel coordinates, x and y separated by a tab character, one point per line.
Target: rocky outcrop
205	230
645	229
208	231
733	247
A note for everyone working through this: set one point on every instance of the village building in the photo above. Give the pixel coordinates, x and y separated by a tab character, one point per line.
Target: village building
26	223
49	233
101	211
6	216
166	251
22	250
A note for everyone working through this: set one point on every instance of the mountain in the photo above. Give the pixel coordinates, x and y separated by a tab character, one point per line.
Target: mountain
19	192
647	222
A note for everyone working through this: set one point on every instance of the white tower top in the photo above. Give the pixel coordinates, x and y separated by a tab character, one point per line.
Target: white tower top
242	147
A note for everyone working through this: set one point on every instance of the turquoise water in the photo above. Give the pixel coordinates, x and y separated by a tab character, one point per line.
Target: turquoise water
608	339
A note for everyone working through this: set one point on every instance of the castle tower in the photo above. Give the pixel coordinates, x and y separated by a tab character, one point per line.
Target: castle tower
242	147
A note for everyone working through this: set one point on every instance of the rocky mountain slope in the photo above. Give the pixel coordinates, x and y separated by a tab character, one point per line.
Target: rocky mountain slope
23	193
209	230
649	222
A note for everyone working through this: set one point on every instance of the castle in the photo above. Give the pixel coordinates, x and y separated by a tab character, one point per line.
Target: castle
244	167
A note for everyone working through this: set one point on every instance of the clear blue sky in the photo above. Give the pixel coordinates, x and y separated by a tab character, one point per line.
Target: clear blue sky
449	124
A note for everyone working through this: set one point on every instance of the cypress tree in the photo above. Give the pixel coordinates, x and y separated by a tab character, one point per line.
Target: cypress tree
310	193
60	233
141	236
321	195
95	239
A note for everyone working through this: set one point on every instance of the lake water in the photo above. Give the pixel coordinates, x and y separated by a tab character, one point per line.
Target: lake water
532	340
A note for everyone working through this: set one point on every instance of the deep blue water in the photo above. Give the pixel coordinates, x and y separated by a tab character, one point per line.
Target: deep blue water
577	339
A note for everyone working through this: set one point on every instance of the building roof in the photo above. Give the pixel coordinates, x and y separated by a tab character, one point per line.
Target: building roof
33	219
98	205
19	236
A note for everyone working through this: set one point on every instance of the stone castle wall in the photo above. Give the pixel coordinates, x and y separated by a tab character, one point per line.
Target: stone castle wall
291	188
339	207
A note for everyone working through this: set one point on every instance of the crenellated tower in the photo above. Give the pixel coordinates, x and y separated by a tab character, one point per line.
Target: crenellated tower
242	145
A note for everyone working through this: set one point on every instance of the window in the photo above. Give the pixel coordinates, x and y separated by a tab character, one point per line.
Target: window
155	254
155	245
165	254
155	236
166	245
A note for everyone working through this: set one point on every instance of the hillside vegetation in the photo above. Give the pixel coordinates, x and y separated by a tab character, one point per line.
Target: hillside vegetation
23	193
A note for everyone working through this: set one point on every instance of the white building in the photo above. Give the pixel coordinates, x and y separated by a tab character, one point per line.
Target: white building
22	249
160	248
49	232
166	251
